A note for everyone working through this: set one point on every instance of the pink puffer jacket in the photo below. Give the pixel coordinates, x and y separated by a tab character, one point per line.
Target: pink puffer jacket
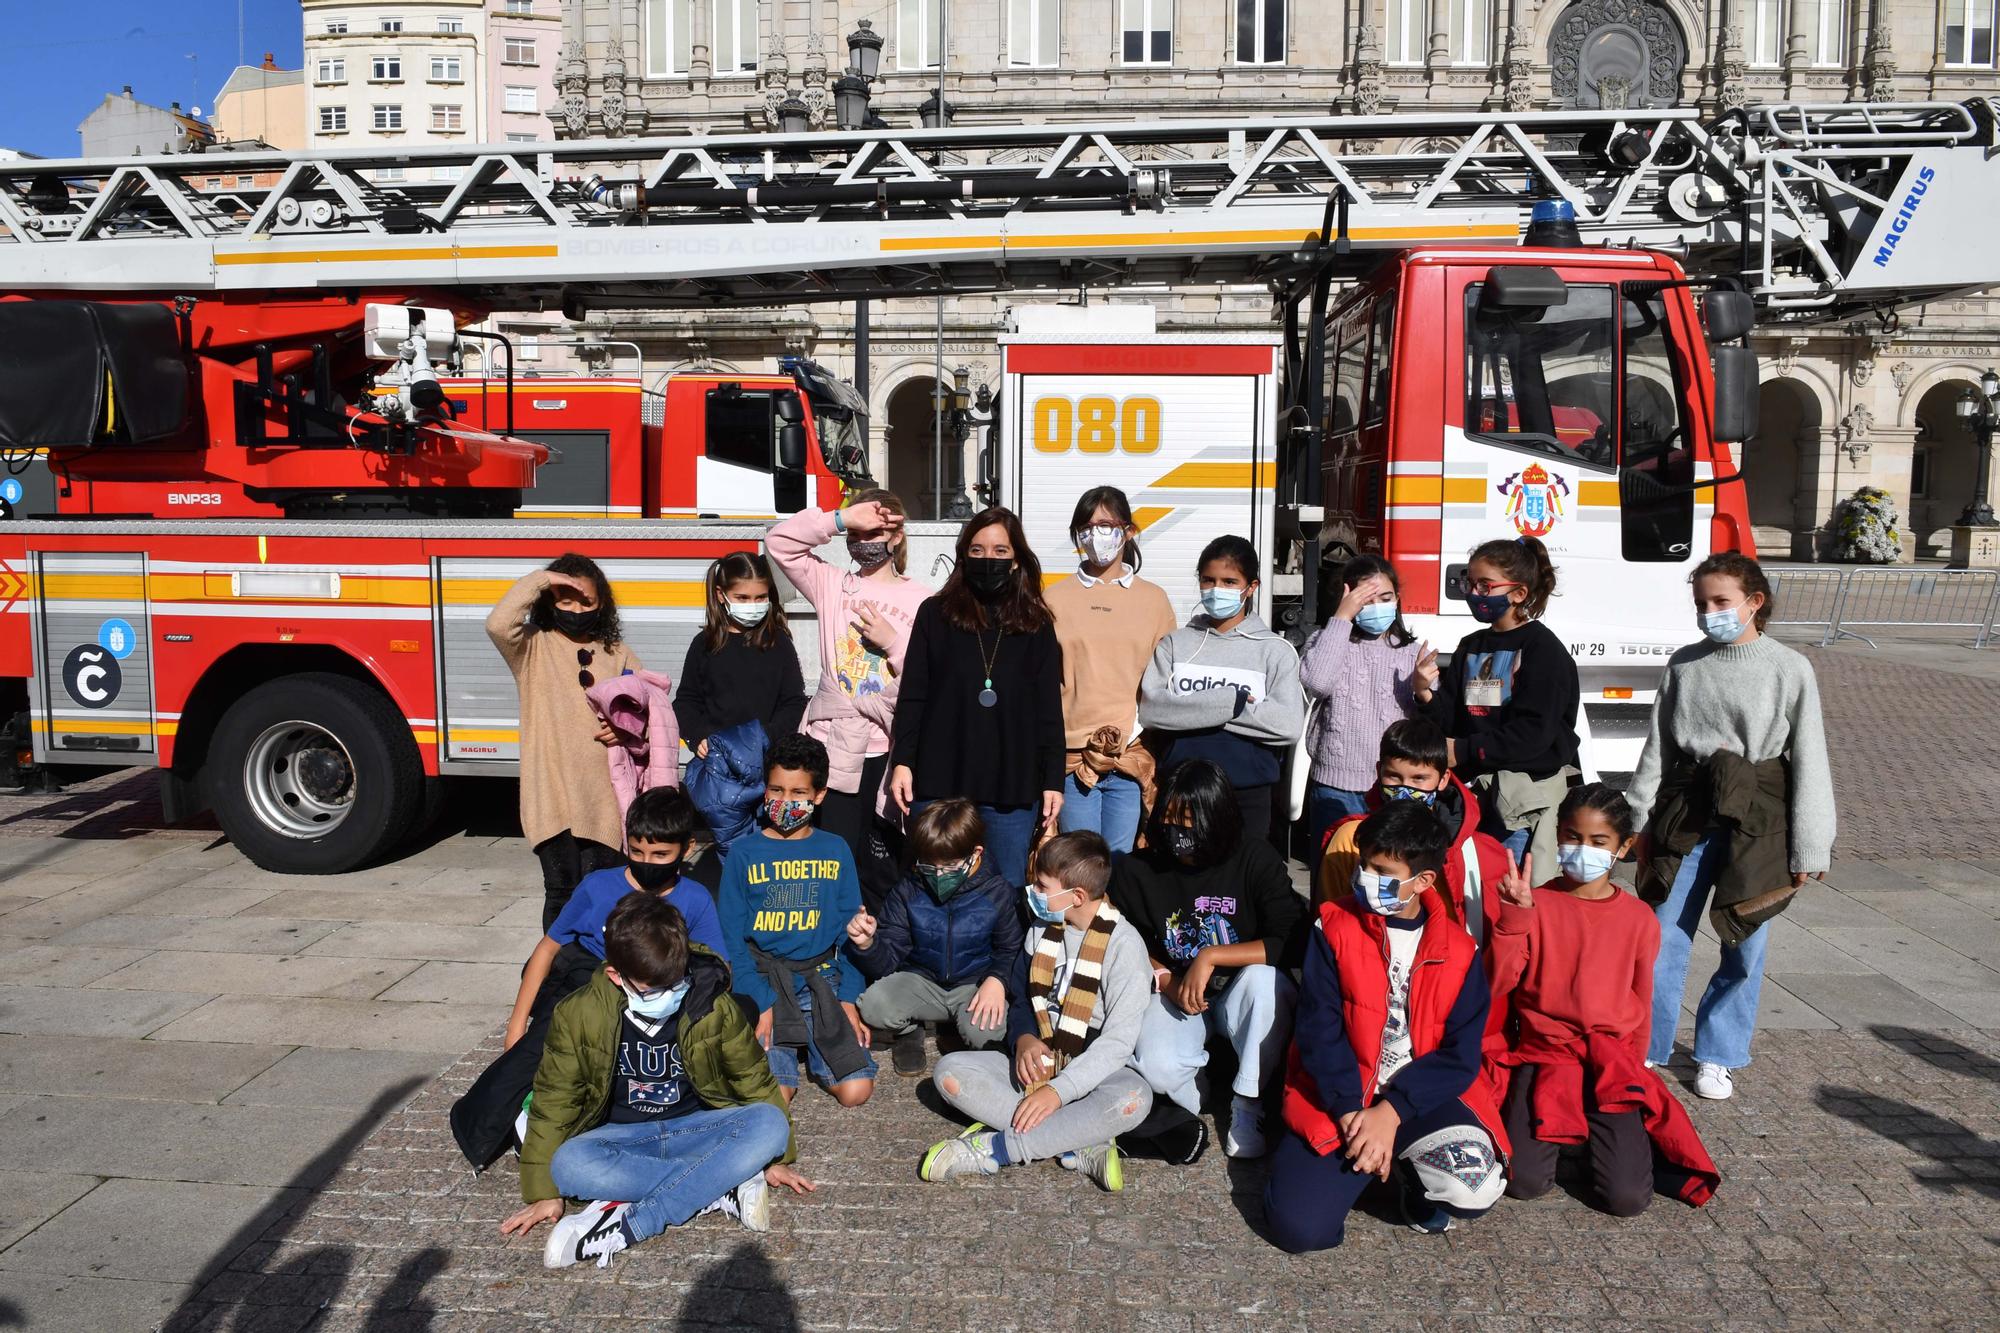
638	706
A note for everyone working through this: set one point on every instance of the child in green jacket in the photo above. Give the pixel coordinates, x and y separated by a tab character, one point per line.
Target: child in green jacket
653	1099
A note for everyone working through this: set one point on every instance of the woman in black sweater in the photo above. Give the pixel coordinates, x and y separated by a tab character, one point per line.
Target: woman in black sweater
743	666
980	711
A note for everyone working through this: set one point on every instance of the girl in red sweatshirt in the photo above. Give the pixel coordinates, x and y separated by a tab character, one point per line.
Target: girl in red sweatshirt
1572	976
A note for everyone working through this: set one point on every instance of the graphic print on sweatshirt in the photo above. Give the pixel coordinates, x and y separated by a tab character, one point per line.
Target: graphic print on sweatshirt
1187	933
792	902
1397	1048
1489	680
651	1083
1196	677
860	669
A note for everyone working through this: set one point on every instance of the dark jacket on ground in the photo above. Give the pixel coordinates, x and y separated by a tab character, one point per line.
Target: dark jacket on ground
1181	909
975	935
728	785
1534	730
738	683
1748	803
1006	755
719	1049
482	1120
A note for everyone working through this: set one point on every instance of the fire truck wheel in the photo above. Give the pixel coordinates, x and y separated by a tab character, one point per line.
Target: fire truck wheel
314	774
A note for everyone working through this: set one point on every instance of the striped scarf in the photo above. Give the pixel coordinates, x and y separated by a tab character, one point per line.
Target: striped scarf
1067	1031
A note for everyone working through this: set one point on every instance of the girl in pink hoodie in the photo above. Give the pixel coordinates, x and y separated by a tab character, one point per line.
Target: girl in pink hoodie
864	619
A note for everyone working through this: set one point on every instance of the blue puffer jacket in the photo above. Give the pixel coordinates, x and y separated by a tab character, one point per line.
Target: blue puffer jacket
728	785
975	935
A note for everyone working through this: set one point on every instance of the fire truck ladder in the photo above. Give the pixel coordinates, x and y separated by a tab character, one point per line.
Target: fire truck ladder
1821	211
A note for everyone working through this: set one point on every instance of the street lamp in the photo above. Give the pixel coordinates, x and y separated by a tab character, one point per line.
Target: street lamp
1979	412
794	116
864	51
850	102
935	112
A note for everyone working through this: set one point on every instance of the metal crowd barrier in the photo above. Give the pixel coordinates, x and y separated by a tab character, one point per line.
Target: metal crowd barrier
1883	596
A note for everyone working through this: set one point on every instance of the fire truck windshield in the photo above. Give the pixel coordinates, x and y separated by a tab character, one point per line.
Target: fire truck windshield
1544	380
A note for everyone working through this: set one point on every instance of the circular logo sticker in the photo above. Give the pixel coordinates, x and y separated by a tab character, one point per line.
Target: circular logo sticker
91	675
116	637
10	490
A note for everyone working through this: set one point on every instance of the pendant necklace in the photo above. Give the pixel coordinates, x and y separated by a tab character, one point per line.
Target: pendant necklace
987	698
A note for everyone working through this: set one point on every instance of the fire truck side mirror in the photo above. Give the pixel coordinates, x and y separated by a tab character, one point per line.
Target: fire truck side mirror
1727	315
1522	289
788	407
1735	394
792	446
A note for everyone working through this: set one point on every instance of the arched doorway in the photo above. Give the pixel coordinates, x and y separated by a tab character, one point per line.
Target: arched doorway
1613	54
1786	448
910	446
1944	466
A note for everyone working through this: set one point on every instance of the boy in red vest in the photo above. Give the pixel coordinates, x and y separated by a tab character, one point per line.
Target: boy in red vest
1385	1075
1414	765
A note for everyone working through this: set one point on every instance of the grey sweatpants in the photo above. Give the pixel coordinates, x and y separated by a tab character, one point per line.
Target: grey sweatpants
981	1084
901	1000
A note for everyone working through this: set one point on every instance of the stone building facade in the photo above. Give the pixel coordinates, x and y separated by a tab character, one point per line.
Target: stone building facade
1843	406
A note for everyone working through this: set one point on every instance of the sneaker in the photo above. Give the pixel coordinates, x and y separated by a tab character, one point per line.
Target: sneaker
1101	1163
971	1153
1246	1128
1713	1082
1652	1064
1184	1142
907	1055
594	1232
1418	1213
750	1204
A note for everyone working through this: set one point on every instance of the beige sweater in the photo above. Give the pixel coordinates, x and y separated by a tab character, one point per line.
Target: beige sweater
565	778
1108	634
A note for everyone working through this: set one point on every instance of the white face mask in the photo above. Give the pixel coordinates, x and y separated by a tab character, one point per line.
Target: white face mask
747	614
1102	543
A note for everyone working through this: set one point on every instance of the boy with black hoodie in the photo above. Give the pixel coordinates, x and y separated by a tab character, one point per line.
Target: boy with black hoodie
946	940
1413	767
1224	687
652	1100
1385	1075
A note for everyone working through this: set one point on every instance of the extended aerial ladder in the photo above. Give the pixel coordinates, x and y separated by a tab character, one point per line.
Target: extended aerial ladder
1819	211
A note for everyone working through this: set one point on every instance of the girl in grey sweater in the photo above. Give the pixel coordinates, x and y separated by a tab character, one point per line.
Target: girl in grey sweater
1741	691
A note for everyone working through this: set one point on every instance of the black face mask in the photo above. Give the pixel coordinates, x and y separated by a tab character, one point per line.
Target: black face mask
654	876
576	624
988	576
1180	841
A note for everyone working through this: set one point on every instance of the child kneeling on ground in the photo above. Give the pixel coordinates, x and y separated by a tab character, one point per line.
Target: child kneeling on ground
653	1099
1081	987
1572	1011
1385	1073
946	940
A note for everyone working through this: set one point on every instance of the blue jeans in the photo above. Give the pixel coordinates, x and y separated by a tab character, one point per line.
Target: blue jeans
1327	806
1111	807
784	1060
672	1169
1253	1013
1727	1014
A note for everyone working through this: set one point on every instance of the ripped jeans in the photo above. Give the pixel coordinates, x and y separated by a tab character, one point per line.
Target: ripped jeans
981	1084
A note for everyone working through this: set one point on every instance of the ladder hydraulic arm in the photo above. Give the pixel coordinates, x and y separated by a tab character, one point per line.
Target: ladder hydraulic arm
1821	211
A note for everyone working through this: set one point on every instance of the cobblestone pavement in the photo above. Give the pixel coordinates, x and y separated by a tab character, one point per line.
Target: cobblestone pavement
218	1110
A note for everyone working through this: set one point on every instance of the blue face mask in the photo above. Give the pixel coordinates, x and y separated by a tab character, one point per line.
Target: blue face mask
1376	617
656	1007
1221	603
1038	903
1381	894
1488	608
1581	864
1723	626
1410	794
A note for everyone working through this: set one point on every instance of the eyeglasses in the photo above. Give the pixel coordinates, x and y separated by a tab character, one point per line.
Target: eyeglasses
584	657
925	868
1487	587
643	995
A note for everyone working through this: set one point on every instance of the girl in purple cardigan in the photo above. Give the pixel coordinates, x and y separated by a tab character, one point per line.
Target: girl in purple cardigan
1358	666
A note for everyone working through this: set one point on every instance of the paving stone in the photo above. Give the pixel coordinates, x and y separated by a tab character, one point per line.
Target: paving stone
497	983
350	1024
1859	1002
1794	948
1912	957
234	1145
261	974
524	915
40	1010
446	909
180	1071
199	899
321	1077
250	934
151	1230
122	930
40	1304
459	944
65	965
30	1198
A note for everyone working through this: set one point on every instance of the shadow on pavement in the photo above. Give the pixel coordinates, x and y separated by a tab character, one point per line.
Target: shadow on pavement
1940	1052
747	1278
226	1299
1960	1154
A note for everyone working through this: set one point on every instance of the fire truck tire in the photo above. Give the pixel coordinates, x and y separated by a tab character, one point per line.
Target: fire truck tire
315	774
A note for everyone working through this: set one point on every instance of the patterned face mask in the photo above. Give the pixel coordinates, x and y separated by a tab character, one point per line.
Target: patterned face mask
1381	893
868	555
1411	794
788	816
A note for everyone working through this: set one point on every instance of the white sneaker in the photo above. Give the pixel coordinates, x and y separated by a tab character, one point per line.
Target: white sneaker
1246	1128
590	1233
1652	1064
1713	1082
753	1203
1101	1164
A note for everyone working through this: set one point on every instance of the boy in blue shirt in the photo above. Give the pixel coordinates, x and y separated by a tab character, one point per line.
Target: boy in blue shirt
788	894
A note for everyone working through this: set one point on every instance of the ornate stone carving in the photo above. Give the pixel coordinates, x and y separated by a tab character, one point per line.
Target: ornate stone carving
1368	73
1732	69
573	87
1786	359
817	97
611	102
1520	71
772	77
1902	373
1851	434
1862	371
1881	79
1633	47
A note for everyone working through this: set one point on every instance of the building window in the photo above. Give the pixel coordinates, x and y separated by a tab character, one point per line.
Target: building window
215	182
917	23
519	7
735	37
333	120
392	25
1920	472
386	68
389	175
1472	32
451	25
520	138
330	71
1826	32
1968	33
448	174
1260	32
1764	35
1406	35
669	37
1149	31
336	27
518	51
388	118
530	347
447	119
447	69
1034	33
519	98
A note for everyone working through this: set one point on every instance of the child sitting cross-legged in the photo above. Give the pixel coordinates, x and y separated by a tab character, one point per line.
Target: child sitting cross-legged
1385	1077
1080	992
653	1100
946	940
